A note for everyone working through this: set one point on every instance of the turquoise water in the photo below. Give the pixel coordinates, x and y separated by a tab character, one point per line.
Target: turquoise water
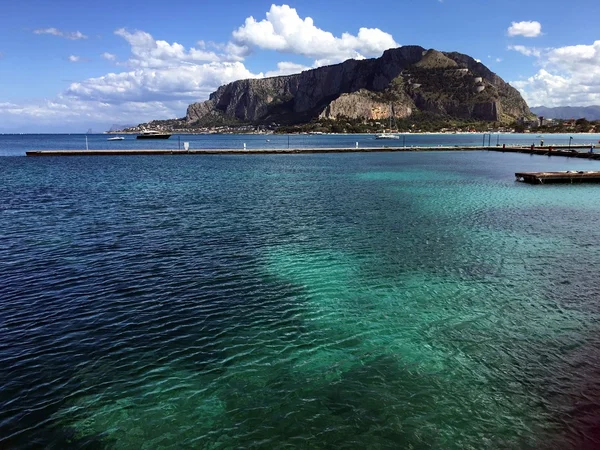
17	145
374	300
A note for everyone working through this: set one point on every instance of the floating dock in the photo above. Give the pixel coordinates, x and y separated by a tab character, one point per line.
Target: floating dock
568	176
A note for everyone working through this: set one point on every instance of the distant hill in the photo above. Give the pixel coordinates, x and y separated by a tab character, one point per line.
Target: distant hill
568	112
117	127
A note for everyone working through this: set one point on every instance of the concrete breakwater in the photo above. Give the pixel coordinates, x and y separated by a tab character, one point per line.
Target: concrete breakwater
570	151
578	151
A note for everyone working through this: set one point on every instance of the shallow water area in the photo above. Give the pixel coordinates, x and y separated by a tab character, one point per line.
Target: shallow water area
413	300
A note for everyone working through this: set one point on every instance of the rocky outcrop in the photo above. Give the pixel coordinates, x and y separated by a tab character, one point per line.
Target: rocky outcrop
436	60
365	104
410	78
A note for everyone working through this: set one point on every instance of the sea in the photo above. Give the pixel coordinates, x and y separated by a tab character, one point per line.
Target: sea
349	300
18	144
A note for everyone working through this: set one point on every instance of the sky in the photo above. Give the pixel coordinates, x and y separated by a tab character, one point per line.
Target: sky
68	66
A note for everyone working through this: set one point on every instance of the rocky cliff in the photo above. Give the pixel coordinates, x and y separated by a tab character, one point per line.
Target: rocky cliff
402	81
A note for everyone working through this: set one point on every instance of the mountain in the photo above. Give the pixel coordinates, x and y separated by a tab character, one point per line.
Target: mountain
568	112
116	127
402	81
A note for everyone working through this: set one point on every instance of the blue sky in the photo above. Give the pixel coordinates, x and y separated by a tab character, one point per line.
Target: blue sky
66	66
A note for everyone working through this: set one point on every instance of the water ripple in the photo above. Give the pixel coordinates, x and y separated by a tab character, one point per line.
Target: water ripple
389	301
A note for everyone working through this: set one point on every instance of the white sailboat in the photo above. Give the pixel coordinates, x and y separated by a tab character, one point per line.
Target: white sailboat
385	135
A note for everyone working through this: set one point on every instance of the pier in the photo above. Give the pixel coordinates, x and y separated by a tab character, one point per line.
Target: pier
568	176
570	151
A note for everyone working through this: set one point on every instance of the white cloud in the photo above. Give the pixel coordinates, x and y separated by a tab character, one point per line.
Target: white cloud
73	35
67	114
186	82
570	76
527	51
162	78
576	57
285	31
286	68
148	52
498	60
527	29
158	87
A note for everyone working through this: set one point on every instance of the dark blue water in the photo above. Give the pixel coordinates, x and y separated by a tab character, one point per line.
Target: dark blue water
17	145
316	301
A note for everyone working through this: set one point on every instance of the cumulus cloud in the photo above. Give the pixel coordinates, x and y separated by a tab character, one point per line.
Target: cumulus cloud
285	31
161	78
68	114
148	52
186	82
286	68
576	57
527	51
570	76
72	35
529	29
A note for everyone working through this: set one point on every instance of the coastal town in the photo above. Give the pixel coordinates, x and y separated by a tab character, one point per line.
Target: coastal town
416	124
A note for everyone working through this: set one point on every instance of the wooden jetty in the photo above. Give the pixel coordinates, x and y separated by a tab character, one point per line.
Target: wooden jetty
568	176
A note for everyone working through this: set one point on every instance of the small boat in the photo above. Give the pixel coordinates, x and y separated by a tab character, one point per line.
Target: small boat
387	136
115	138
152	134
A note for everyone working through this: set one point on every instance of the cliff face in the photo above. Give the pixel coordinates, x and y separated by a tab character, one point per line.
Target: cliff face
409	78
366	105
